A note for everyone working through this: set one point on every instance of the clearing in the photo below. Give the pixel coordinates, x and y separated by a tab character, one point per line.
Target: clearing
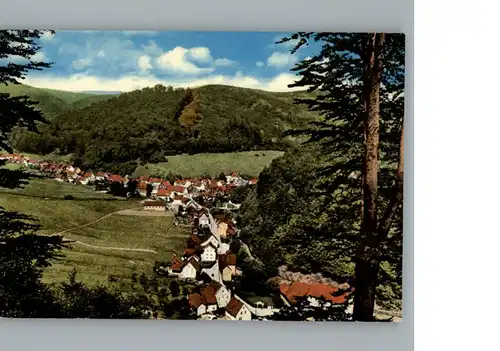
107	242
247	162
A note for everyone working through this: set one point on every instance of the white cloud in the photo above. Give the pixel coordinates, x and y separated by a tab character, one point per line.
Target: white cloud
260	64
175	61
101	54
82	63
144	63
83	82
281	59
200	54
224	62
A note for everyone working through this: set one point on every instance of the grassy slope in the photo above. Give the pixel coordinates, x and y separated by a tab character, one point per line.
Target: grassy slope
198	165
95	265
53	102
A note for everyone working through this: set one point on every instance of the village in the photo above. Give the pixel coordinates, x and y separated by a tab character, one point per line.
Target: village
207	261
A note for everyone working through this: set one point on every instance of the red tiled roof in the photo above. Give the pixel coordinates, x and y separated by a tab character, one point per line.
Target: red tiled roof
234	306
195	239
178	197
234	174
116	178
196	300
299	289
155	180
189	252
165	183
227	259
162	192
179	189
143	178
101	174
153	203
142	185
253	181
208	293
176	265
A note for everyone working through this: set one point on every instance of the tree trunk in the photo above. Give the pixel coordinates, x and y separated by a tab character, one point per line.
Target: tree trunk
366	263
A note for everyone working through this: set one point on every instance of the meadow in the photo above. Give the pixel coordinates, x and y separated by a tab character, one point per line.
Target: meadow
91	256
249	162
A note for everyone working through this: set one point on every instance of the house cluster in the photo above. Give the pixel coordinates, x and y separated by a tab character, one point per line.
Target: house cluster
160	191
64	172
209	262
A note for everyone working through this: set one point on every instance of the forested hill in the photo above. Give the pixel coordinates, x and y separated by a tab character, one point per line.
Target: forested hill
54	102
147	125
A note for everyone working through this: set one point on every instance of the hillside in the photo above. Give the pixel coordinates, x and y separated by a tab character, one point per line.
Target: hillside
53	102
147	125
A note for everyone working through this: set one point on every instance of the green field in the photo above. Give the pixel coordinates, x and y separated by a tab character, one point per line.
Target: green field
95	265
248	162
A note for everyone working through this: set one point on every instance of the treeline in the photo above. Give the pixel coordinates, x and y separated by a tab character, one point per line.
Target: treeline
150	124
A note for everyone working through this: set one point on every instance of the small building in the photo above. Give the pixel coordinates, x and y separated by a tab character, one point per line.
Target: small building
236	310
190	269
209	253
221	293
154	206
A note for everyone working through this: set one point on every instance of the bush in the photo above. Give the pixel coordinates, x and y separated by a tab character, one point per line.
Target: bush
69	197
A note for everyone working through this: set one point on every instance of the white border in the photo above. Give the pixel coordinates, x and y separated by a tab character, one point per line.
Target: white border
263	15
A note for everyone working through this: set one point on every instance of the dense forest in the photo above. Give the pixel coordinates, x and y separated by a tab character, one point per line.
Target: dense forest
149	124
291	218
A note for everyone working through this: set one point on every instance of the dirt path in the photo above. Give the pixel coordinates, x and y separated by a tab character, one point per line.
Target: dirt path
103	247
90	223
113	248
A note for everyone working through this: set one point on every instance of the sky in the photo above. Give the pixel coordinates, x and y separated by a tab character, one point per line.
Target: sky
128	60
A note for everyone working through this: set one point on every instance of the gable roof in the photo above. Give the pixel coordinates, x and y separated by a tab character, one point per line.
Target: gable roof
208	292
317	290
176	265
234	306
154	180
179	189
162	192
196	300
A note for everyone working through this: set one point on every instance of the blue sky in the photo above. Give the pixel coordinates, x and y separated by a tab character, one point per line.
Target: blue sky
128	60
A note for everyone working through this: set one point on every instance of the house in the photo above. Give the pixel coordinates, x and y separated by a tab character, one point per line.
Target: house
190	269
209	253
154	205
227	265
223	248
236	310
175	267
204	221
222	229
182	183
213	272
253	181
197	302
142	187
314	293
221	293
162	193
210	240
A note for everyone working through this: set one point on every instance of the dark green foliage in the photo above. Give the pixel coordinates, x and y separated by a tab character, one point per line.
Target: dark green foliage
142	126
221	177
302	311
75	300
359	80
117	189
239	194
174	288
